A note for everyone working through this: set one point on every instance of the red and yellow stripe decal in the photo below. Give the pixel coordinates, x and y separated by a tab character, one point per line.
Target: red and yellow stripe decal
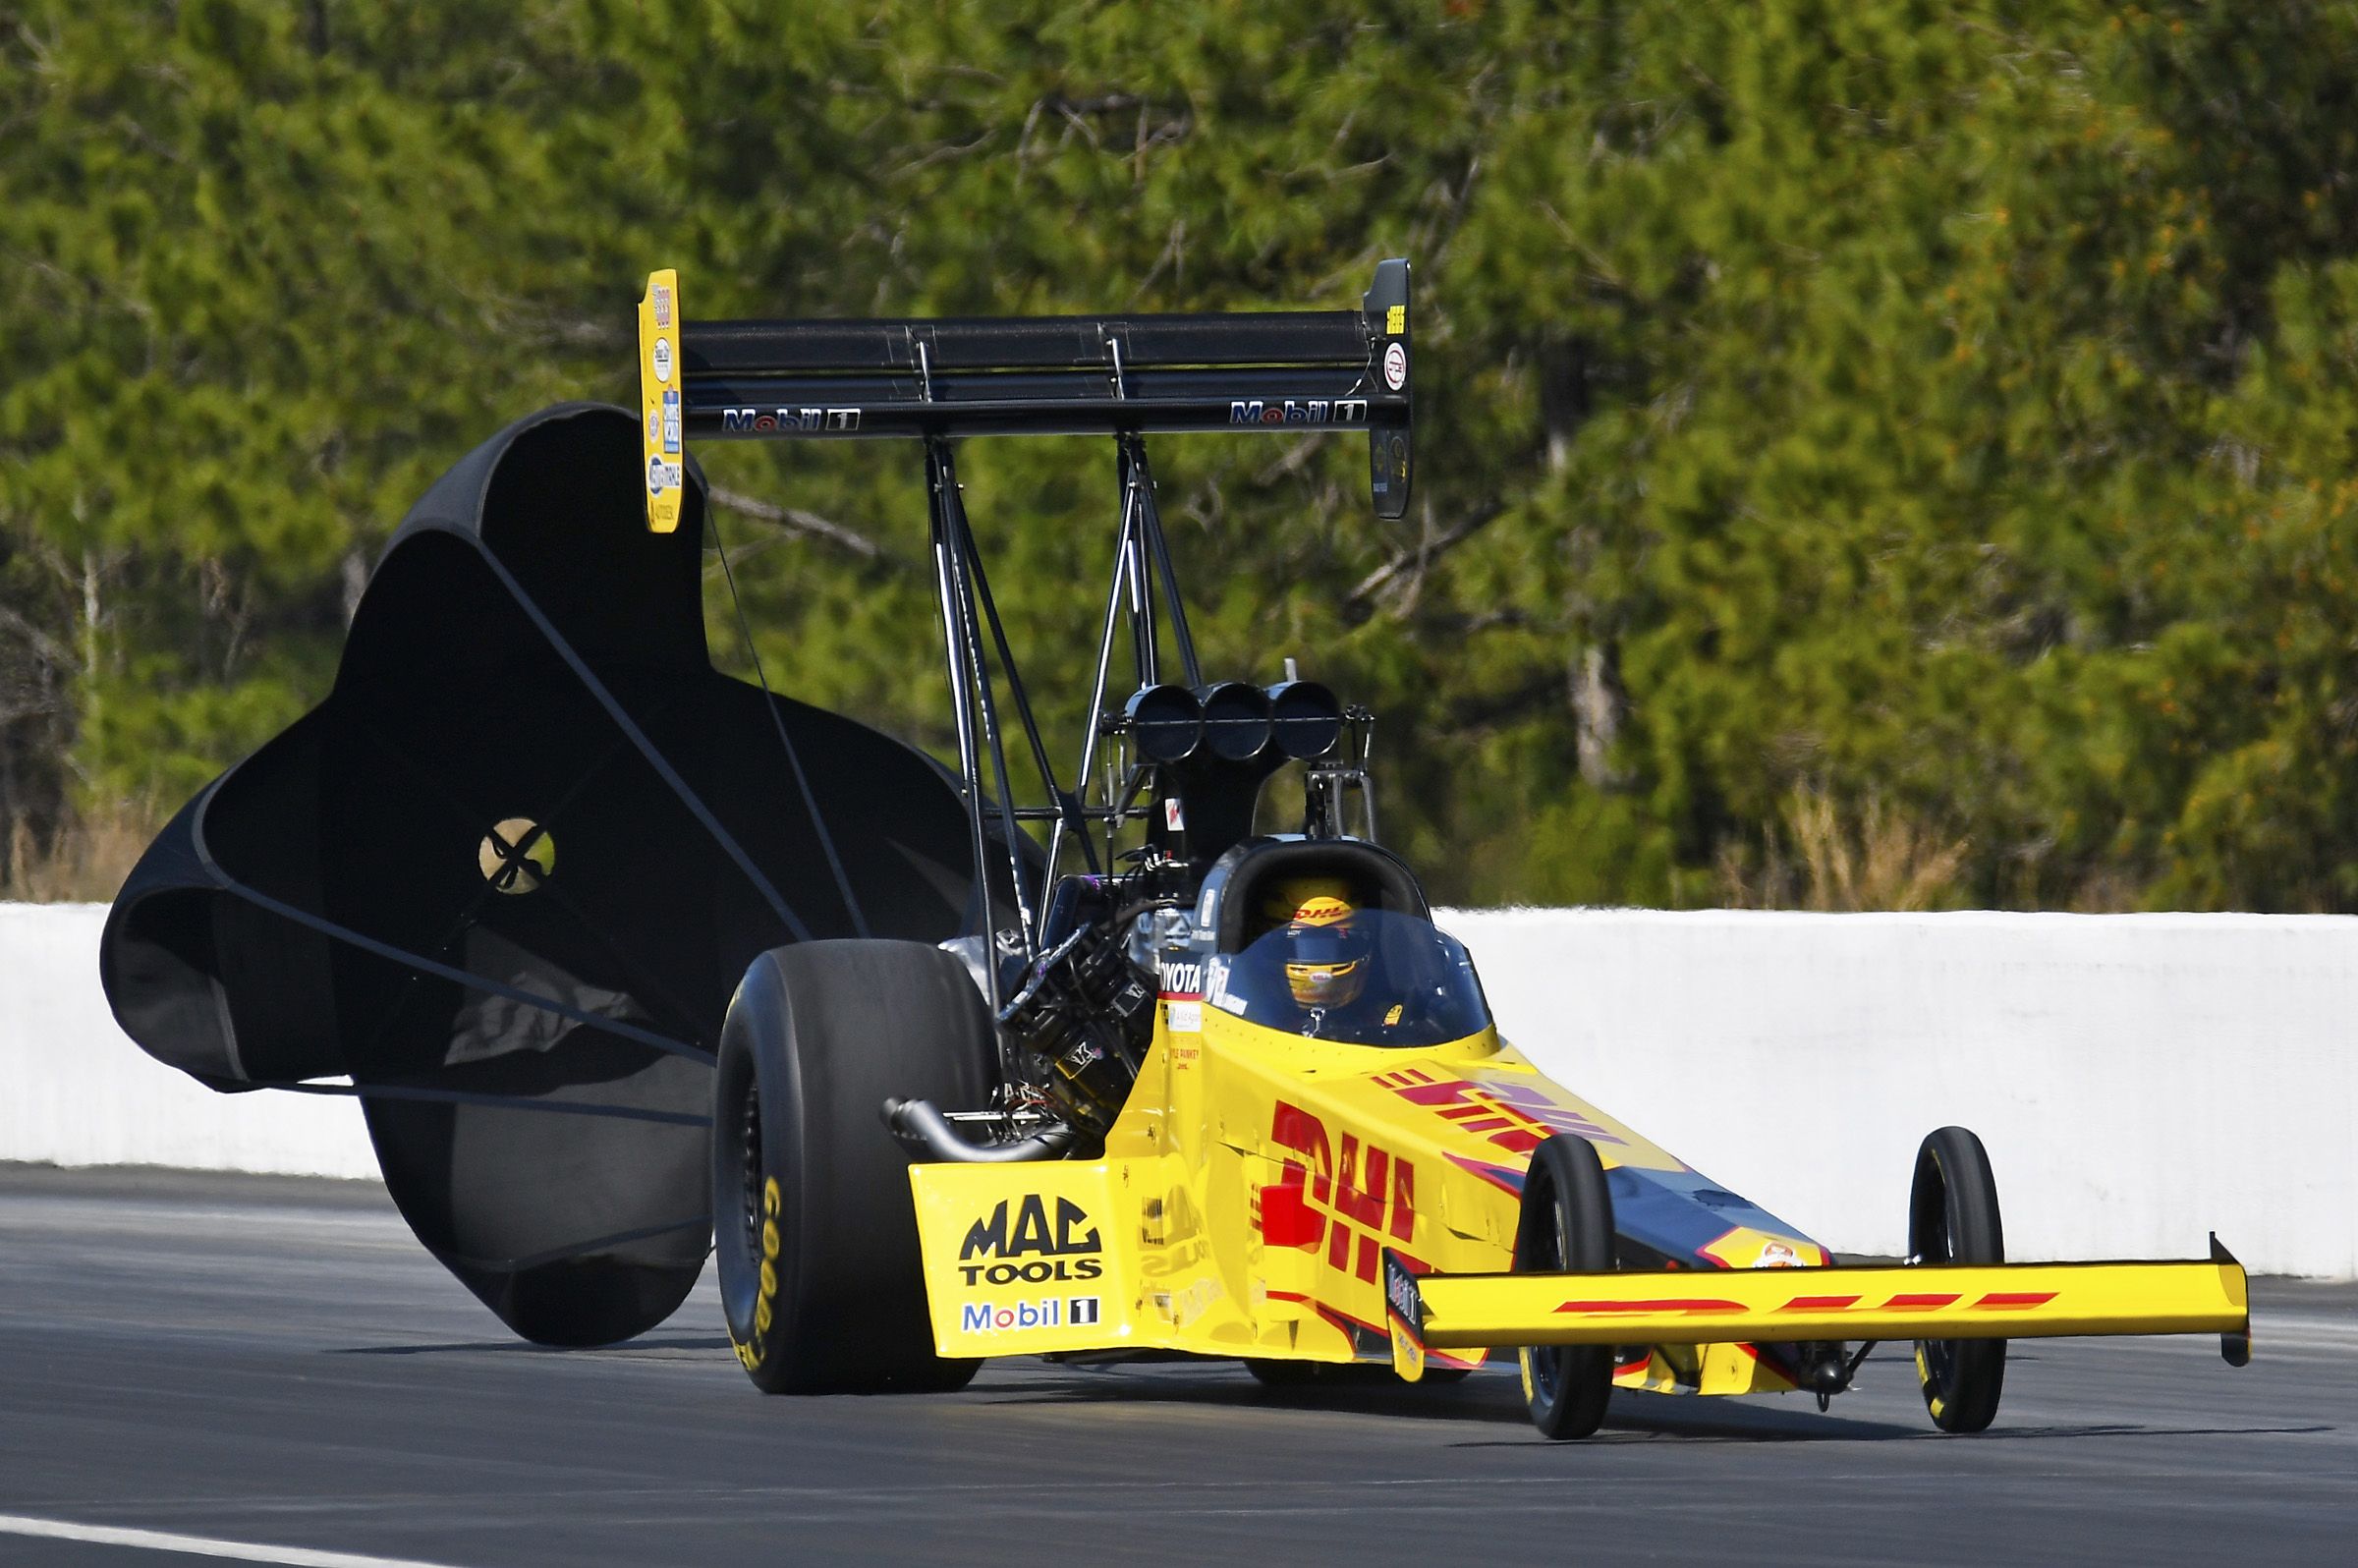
1768	1306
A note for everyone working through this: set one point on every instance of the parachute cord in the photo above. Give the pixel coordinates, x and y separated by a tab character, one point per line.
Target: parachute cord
818	821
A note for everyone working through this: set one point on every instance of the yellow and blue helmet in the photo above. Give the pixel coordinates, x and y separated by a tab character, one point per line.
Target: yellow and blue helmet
1327	954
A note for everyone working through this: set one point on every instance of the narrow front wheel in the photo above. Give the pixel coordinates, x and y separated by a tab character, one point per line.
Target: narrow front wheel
1566	1226
1952	1218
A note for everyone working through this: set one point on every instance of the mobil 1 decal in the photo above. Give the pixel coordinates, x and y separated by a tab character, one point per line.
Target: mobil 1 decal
1016	1243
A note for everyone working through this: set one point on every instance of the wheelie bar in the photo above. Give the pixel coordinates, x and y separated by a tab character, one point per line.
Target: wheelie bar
1775	1305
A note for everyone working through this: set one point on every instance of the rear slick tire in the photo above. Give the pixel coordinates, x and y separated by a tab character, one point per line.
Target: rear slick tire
1952	1218
814	1233
1566	1225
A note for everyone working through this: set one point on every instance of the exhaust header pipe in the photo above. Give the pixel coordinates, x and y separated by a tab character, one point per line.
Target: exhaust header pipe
915	1123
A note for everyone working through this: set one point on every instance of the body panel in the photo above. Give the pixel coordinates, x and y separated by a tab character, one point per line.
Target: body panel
1253	1181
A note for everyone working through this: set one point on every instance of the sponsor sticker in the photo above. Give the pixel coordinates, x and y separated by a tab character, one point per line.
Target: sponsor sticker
1396	365
1187	1018
1298	411
1173	818
671	421
1507	1111
662	359
663	307
1028	1248
763	421
1187	1304
1337	1194
662	476
1049	1311
1395	320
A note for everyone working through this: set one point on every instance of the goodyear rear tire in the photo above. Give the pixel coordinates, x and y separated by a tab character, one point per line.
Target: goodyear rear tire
1952	1218
814	1233
1566	1224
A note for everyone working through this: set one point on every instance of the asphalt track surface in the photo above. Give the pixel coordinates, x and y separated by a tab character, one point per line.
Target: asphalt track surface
277	1367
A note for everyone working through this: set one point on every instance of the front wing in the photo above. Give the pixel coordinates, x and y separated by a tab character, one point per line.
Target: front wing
1782	1306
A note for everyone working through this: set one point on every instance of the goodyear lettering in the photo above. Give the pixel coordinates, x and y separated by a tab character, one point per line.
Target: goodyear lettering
766	422
752	1351
1337	1194
1060	1248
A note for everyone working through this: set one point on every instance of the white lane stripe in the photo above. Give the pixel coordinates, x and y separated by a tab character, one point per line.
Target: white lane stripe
199	1545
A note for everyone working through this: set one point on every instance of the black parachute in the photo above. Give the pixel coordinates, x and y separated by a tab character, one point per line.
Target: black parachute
505	877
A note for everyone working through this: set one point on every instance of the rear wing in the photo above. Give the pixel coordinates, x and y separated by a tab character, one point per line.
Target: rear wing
1288	371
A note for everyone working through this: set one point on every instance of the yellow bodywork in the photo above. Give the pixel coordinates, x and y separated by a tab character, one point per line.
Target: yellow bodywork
1247	1192
1255	1180
2006	1301
662	385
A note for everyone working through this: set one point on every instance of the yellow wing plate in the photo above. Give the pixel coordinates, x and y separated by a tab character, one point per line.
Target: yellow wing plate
1769	1306
661	378
1021	1259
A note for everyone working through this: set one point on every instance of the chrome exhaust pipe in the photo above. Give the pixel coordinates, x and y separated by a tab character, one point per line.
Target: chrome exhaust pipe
915	1123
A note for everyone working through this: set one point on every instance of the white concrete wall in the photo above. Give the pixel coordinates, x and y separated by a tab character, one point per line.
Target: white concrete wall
74	1090
2139	1080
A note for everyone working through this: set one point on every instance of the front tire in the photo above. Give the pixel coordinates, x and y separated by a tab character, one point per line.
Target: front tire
813	1229
1566	1225
1952	1218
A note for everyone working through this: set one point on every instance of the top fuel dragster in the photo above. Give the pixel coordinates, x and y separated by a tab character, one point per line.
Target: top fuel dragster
1224	1092
939	1071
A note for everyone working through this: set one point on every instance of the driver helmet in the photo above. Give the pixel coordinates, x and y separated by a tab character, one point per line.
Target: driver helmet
1327	952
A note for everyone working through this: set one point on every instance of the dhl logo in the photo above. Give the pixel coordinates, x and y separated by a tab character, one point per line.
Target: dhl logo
1516	1117
1920	1301
1332	1198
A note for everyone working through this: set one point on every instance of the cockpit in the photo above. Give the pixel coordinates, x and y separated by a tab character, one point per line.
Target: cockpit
1379	979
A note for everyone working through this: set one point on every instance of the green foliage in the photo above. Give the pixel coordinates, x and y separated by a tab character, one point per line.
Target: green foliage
1841	426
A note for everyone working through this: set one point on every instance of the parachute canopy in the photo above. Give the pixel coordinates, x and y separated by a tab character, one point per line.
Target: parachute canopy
506	876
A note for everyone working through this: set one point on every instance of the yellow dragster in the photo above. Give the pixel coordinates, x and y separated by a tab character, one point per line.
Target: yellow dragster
1294	1199
1146	1111
1394	1182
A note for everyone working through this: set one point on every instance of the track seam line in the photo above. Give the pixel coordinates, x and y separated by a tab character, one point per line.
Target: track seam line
198	1545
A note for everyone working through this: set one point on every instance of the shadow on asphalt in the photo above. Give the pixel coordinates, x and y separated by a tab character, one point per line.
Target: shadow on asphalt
520	1346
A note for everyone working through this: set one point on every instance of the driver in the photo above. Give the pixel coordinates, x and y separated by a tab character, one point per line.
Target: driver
1330	957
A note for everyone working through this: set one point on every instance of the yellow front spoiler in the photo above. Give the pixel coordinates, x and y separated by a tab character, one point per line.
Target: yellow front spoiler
1776	1306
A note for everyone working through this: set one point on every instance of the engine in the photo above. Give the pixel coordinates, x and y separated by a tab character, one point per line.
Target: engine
1086	1014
